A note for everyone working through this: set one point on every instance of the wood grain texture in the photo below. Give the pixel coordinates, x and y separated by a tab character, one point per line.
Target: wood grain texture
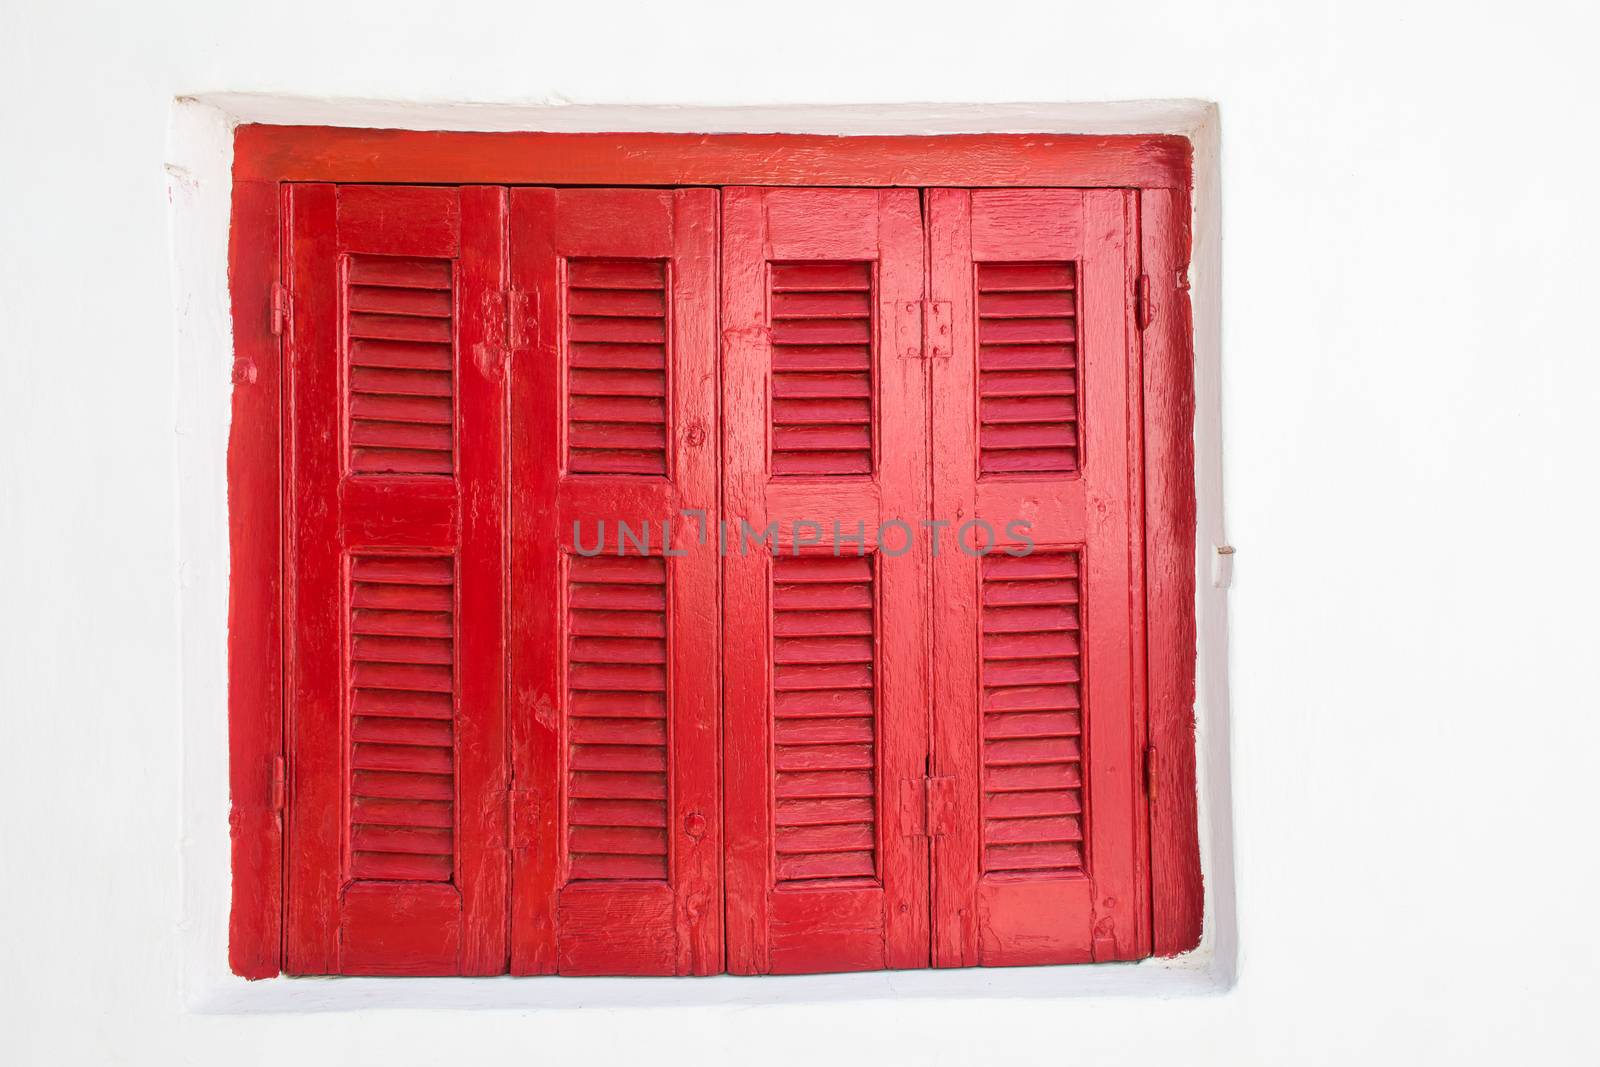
1177	890
255	619
326	153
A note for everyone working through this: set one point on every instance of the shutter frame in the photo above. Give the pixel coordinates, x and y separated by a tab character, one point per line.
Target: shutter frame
351	875
998	901
561	923
796	925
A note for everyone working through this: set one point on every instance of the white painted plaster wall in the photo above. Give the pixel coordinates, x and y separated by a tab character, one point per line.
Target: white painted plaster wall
1408	381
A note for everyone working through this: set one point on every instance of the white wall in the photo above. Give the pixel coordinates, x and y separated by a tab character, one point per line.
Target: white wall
1409	374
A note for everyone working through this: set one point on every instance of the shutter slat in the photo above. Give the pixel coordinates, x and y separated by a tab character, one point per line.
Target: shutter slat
1033	831
616	346
814	386
413	758
389	300
399	355
599	731
1040	858
604	356
398	867
822	650
416	409
1032	759
1031	698
821	812
374	811
648	757
802	623
400	786
1031	724
828	837
617	785
1027	383
401	731
823	703
616	736
820	360
426	841
400	272
587	812
821	731
400	623
399	703
816	865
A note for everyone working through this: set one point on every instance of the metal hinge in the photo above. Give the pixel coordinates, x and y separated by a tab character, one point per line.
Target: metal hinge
937	339
279	785
280	308
927	805
924	330
1142	311
1150	771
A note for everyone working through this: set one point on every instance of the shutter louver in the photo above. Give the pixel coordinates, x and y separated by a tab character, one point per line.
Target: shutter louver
617	718
400	333
616	366
821	368
1032	714
1027	360
402	707
824	717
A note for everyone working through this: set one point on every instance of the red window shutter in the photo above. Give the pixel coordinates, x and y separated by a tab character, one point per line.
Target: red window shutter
615	835
1038	717
395	589
824	421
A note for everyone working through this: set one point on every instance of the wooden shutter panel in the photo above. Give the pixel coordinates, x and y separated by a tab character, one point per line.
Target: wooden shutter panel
1038	702
824	421
616	830
396	767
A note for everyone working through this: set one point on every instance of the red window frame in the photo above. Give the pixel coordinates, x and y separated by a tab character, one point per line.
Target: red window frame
265	157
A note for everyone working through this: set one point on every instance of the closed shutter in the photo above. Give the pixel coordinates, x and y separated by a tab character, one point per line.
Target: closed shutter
615	820
1037	699
395	579
825	702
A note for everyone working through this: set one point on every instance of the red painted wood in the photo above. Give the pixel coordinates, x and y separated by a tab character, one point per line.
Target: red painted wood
325	153
791	909
1178	894
426	512
397	747
255	621
616	835
1037	719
